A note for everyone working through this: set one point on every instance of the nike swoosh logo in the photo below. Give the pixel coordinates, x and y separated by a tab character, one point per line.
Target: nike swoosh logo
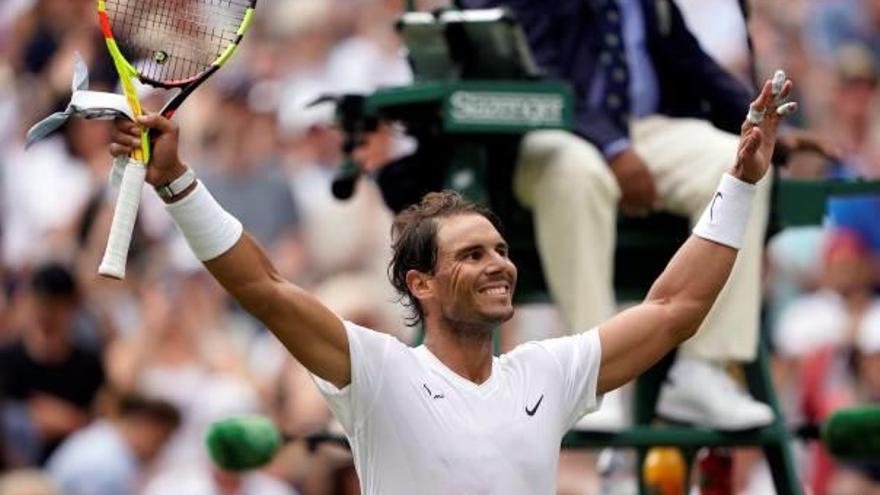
718	196
431	394
532	411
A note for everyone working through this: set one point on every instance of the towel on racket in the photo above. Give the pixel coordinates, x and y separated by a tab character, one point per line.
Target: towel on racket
83	104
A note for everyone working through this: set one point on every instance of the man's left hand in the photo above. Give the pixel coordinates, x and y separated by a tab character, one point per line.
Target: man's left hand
758	133
791	140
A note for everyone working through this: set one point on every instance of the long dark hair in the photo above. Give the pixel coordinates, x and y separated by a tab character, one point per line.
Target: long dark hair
414	240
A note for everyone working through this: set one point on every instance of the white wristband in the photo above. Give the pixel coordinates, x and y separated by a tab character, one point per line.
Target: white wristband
209	229
726	217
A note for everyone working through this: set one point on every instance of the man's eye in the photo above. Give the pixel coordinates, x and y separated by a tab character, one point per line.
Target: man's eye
474	255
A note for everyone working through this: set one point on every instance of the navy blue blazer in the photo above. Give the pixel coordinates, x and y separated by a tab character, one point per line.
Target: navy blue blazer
564	38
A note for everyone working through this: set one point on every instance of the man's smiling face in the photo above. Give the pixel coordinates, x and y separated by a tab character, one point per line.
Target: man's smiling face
473	278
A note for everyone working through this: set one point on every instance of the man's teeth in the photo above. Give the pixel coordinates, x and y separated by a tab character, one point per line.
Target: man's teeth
496	291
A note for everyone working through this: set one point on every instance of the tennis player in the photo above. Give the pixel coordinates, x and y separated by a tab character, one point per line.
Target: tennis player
448	417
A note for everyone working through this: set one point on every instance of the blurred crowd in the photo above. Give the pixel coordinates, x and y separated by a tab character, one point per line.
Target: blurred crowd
108	385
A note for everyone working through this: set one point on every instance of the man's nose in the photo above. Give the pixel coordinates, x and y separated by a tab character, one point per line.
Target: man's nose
498	262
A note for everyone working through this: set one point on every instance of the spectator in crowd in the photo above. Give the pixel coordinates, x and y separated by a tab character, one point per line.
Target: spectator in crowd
862	382
46	190
111	456
339	236
816	339
49	380
245	172
185	353
830	315
350	235
831	25
850	118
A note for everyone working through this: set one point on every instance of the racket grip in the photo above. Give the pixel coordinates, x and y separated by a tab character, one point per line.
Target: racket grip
116	252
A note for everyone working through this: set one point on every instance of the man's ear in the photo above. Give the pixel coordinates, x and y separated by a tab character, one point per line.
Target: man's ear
419	284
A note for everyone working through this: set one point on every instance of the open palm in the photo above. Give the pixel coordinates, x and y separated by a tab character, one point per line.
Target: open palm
758	140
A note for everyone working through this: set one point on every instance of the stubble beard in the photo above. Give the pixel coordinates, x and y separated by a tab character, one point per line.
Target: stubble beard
477	323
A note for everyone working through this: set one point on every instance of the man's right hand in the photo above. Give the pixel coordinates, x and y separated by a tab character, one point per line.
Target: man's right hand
638	195
165	164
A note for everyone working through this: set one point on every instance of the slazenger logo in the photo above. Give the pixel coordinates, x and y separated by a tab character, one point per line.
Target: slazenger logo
483	107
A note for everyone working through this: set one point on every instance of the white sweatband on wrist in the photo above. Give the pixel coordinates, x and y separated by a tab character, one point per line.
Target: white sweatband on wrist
208	229
726	217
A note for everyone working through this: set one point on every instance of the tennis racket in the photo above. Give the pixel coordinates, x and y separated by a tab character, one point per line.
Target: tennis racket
169	44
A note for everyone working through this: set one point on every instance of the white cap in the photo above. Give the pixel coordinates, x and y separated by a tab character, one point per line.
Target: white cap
809	323
297	113
868	334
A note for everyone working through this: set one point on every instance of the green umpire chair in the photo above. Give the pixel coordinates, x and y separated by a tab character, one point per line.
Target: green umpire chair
476	93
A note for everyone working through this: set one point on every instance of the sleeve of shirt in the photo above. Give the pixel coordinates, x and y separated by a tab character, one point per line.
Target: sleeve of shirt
615	148
596	126
72	475
94	483
579	357
368	350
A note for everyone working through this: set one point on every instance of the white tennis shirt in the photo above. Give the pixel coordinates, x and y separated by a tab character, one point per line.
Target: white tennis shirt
416	427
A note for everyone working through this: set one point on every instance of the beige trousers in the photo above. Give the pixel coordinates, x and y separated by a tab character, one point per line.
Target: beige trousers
573	195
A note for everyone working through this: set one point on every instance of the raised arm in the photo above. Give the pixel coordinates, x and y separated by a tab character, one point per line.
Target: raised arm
312	333
682	296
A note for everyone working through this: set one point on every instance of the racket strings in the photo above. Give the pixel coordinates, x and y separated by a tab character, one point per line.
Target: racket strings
173	40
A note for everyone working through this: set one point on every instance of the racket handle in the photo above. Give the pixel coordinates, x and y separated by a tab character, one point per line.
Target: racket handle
116	253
